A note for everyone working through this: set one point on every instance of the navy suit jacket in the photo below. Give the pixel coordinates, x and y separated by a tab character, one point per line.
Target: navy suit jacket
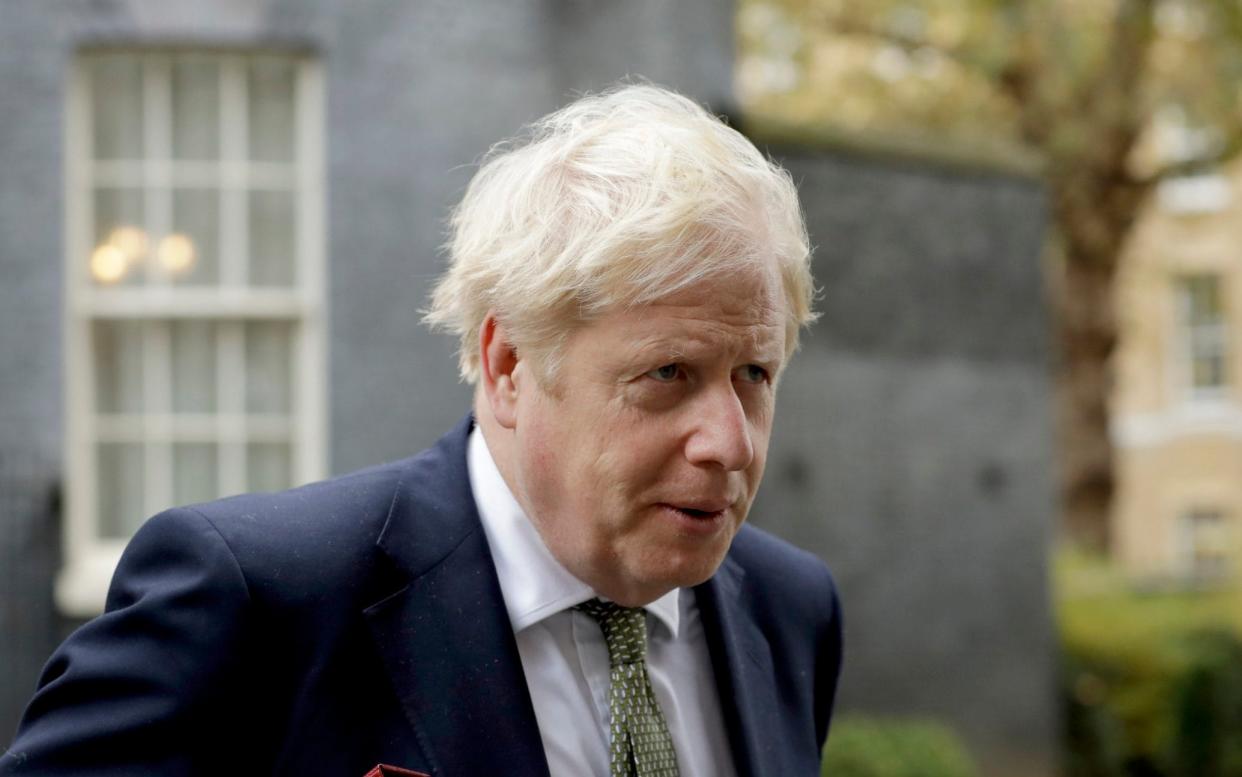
357	621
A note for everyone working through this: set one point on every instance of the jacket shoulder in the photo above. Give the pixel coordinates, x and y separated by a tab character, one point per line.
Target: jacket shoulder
777	564
336	508
308	539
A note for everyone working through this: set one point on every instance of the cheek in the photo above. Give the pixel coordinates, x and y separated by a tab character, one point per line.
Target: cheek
542	457
607	472
760	435
621	471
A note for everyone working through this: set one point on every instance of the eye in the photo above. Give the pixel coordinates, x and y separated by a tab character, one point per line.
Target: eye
665	374
752	373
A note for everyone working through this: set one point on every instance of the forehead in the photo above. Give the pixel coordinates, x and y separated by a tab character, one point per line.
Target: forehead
737	311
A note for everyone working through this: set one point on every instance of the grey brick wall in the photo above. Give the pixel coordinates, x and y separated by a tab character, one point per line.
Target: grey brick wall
912	447
29	555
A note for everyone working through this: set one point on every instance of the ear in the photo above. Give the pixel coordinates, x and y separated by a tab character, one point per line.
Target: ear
498	362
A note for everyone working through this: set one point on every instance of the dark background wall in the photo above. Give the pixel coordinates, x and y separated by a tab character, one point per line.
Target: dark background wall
32	69
910	448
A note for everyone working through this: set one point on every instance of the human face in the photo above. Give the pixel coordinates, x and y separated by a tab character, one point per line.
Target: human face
639	460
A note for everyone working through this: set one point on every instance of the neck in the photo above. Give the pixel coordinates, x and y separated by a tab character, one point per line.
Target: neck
500	443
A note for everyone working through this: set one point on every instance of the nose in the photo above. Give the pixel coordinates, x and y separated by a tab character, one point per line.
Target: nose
721	433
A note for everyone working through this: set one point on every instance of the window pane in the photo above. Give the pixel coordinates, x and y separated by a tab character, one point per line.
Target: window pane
194	367
1208	372
271	238
1203	330
268	366
156	226
116	105
120	246
1203	299
196	109
270	84
119	487
269	466
118	366
194	473
191	254
1207	545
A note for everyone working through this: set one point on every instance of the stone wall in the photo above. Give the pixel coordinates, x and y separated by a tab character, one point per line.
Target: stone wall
912	447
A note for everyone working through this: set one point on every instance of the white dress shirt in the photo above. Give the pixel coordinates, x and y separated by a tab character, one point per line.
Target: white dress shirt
564	655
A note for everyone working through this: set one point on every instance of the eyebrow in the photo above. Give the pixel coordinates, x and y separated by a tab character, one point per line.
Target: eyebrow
761	349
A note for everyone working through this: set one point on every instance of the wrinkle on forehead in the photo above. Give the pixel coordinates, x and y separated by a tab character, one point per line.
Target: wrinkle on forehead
740	309
758	283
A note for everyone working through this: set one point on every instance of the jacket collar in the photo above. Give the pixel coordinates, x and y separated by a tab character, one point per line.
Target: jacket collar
742	663
445	637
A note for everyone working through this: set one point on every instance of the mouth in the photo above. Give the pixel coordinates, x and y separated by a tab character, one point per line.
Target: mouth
695	512
697	517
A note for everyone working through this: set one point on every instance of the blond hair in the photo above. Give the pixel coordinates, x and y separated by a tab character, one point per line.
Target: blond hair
618	199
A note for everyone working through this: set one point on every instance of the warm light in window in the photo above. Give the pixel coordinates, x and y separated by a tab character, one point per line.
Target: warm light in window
132	241
108	263
176	253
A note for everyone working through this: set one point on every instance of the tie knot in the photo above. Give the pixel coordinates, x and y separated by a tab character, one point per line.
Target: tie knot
625	630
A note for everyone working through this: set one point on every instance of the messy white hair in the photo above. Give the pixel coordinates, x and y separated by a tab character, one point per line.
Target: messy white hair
618	199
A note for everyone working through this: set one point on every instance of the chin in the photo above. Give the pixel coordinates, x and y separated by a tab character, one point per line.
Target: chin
691	572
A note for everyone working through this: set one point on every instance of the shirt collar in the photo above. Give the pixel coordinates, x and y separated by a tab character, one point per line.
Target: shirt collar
534	584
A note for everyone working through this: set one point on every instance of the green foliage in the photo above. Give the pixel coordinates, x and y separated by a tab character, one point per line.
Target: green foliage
969	68
871	747
1152	681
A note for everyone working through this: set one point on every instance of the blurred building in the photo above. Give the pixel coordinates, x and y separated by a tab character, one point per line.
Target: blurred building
219	221
1178	394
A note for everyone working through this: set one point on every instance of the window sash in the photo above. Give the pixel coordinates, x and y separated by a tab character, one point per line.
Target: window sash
1205	543
238	443
1204	334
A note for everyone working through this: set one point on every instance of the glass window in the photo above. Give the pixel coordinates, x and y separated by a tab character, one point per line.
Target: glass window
195	355
1204	334
1205	546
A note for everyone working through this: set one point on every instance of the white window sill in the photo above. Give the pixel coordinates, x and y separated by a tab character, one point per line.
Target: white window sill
82	583
1197	194
1194	416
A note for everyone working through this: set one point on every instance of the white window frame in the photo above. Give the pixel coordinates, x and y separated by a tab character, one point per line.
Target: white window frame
1185	337
89	559
1179	140
1189	540
1194	195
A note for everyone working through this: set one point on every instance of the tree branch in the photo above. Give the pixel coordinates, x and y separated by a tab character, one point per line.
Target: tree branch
1114	85
1015	79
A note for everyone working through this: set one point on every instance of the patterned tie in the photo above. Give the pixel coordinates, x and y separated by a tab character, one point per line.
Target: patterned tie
640	742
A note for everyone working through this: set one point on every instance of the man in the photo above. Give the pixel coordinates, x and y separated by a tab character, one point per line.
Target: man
562	585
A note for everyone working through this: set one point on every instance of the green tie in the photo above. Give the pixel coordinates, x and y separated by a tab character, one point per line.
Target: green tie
640	742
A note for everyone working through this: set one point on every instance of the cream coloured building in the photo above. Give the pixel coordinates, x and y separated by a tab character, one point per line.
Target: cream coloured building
1177	403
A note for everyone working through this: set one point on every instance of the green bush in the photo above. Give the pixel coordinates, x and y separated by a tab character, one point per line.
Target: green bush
874	747
1152	682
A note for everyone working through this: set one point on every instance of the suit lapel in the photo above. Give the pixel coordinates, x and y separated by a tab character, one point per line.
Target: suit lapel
445	638
742	663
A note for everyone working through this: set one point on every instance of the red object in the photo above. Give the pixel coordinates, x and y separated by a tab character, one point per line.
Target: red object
384	770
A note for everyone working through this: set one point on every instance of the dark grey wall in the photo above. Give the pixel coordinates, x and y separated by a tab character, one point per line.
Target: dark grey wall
32	68
912	446
29	554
